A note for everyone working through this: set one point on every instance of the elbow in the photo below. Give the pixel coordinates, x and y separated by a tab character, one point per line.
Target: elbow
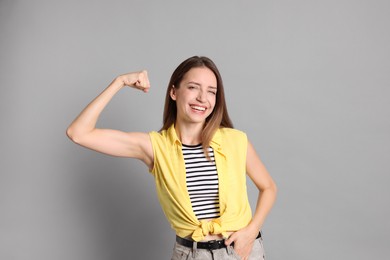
271	188
77	134
70	133
274	188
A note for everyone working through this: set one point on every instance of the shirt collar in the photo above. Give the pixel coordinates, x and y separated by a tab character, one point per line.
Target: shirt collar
215	141
171	132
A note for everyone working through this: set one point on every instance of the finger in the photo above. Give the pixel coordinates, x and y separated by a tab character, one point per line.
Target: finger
230	240
144	81
138	85
147	80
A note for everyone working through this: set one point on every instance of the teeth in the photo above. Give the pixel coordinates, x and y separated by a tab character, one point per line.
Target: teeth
198	108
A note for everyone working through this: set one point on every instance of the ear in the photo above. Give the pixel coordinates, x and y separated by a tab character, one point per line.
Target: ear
172	93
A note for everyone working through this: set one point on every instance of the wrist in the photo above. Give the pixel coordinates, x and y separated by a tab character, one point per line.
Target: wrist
253	227
118	82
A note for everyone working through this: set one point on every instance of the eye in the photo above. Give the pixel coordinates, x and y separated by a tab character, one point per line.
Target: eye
212	90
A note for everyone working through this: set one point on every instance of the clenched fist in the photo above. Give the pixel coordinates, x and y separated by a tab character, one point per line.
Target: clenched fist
137	80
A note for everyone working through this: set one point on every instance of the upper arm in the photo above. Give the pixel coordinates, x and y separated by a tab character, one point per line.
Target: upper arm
257	171
117	143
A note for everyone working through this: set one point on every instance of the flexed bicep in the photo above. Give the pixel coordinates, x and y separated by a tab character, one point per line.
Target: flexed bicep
83	129
117	143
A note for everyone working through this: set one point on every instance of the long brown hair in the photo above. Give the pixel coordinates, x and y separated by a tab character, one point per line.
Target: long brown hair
218	118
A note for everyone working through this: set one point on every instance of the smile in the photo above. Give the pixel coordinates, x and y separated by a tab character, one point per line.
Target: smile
198	108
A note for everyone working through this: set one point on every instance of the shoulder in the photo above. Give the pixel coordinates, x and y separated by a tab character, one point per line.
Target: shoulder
158	137
227	132
162	138
230	137
165	133
233	143
160	144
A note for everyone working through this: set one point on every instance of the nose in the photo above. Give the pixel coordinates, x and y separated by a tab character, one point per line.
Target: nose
201	96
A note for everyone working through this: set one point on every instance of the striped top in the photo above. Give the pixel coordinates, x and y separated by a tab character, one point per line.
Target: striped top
202	181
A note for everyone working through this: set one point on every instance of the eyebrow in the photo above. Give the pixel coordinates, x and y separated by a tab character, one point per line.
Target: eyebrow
195	83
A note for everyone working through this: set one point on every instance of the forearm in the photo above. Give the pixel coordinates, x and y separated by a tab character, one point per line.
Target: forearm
87	119
264	204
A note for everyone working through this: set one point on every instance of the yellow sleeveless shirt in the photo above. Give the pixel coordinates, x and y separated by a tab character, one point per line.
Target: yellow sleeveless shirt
230	148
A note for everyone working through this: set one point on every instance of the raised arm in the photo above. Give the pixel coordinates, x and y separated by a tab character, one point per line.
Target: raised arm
83	129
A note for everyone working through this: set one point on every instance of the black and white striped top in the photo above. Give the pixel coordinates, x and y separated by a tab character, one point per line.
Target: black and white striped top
202	181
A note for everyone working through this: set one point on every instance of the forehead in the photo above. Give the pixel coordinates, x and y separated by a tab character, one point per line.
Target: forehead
201	75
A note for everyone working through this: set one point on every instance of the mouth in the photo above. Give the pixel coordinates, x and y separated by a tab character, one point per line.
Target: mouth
198	108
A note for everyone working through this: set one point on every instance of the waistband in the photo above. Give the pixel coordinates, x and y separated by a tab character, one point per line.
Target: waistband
210	245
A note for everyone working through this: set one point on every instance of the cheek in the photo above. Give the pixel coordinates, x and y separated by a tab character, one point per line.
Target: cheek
213	101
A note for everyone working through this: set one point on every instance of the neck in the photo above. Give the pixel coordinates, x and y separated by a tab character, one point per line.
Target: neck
190	134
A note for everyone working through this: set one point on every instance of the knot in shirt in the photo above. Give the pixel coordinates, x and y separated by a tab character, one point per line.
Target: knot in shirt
207	227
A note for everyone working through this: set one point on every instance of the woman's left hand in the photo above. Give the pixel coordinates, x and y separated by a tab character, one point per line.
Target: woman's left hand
243	241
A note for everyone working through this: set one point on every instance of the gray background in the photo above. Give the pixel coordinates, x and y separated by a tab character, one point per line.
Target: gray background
307	80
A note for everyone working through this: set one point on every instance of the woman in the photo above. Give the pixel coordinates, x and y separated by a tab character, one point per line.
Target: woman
198	160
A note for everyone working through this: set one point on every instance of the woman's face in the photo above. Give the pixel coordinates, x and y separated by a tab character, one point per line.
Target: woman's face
195	97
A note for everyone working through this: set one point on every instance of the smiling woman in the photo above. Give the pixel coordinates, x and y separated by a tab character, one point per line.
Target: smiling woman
198	160
195	100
